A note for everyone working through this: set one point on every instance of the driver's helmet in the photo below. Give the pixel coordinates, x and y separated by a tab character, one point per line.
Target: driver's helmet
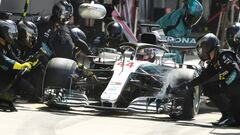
140	54
144	54
233	36
62	10
194	12
8	31
27	33
114	31
205	45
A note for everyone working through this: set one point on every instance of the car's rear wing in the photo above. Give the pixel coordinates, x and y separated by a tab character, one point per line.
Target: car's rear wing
158	37
176	42
179	43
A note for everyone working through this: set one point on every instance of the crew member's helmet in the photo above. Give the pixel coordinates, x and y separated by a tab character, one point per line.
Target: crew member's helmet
8	31
114	31
62	10
79	39
233	36
205	45
27	33
78	34
194	12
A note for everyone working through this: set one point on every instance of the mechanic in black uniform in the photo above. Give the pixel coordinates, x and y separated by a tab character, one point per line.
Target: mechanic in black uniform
54	32
220	79
8	33
79	40
233	37
114	34
24	47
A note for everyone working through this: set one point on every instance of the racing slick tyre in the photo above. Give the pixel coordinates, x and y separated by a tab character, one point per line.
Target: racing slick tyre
58	73
191	97
190	105
57	76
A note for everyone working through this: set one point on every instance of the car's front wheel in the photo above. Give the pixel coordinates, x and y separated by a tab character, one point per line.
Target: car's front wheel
190	105
188	100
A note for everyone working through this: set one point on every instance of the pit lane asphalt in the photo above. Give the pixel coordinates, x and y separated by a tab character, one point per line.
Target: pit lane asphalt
37	119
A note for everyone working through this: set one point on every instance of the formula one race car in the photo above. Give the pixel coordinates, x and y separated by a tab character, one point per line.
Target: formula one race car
138	82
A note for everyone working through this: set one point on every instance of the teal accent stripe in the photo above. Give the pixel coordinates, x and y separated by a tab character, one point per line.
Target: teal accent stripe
231	77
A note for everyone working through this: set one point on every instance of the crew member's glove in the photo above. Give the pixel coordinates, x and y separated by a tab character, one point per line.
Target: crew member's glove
182	87
34	63
87	72
19	66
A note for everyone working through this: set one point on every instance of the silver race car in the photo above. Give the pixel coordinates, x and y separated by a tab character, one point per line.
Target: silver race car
138	82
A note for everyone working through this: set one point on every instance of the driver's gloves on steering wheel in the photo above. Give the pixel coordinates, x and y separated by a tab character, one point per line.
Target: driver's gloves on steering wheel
22	66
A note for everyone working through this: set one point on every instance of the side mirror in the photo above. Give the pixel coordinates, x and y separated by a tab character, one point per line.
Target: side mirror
92	11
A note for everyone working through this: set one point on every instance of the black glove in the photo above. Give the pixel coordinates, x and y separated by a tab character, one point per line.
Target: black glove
183	86
179	89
